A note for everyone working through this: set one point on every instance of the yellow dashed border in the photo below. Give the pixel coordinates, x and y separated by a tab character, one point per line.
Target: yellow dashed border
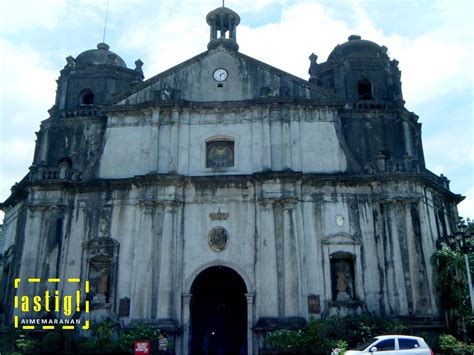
50	327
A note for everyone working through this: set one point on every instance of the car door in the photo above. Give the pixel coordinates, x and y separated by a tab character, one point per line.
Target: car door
410	346
386	346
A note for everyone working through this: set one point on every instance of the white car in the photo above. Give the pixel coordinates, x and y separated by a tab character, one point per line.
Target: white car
394	344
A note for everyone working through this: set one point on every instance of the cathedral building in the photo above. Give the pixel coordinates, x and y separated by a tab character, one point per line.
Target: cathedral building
224	198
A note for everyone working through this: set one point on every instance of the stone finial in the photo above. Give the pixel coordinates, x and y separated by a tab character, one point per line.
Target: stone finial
71	62
381	161
104	46
138	64
313	78
138	68
354	37
111	58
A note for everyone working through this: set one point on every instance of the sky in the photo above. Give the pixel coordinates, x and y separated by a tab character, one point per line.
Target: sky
432	40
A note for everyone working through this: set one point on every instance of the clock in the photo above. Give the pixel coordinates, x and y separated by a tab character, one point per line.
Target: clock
220	74
339	220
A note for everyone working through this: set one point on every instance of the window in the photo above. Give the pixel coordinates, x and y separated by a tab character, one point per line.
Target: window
99	277
219	154
405	344
86	98
364	88
100	262
386	345
342	277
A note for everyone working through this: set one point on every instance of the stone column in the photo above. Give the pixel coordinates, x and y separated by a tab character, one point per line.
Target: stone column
43	152
286	143
166	306
173	163
142	265
250	297
266	142
295	136
408	139
419	284
290	259
186	301
155	144
268	279
31	266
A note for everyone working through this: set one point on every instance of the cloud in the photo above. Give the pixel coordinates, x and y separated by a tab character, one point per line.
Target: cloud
36	36
466	208
17	16
27	92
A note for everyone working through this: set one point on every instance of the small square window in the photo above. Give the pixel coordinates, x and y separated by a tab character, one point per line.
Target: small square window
220	154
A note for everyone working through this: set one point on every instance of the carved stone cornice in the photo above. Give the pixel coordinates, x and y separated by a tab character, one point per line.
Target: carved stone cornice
287	203
150	204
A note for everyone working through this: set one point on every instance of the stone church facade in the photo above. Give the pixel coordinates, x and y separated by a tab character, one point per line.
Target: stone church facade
224	197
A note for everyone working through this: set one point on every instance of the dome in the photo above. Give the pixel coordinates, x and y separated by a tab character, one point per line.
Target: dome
224	12
101	55
357	47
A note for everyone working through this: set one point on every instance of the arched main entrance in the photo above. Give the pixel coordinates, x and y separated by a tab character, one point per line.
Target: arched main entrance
218	312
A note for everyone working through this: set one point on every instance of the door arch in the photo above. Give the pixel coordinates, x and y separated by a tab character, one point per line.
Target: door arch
218	312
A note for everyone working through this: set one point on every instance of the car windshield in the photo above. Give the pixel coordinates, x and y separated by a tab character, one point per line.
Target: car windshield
366	344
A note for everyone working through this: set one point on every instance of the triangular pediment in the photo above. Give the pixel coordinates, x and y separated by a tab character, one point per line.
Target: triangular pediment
341	238
239	78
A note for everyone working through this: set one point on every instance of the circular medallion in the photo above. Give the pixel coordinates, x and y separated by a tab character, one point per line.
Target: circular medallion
220	74
218	238
339	220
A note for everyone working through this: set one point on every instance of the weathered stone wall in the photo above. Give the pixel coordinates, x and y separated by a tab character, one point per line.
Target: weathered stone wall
282	232
280	137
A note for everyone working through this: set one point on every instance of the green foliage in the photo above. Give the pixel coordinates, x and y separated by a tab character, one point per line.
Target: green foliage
6	339
450	345
469	225
23	343
87	344
286	341
359	329
452	278
103	331
53	342
321	336
453	285
315	337
140	332
102	339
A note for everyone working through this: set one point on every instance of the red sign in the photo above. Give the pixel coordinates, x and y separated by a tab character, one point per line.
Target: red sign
142	347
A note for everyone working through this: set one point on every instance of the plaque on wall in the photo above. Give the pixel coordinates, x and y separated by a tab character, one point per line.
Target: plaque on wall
219	154
124	307
218	238
314	305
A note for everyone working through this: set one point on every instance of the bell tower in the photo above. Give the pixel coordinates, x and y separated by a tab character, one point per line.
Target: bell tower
223	22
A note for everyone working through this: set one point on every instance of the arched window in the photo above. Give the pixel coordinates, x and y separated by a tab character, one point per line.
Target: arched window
365	90
66	161
342	276
100	262
86	98
220	153
100	272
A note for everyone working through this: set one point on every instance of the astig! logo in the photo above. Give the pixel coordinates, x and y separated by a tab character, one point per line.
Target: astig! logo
61	304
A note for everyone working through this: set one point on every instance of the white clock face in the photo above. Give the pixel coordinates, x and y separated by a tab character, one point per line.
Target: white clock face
339	220
220	74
